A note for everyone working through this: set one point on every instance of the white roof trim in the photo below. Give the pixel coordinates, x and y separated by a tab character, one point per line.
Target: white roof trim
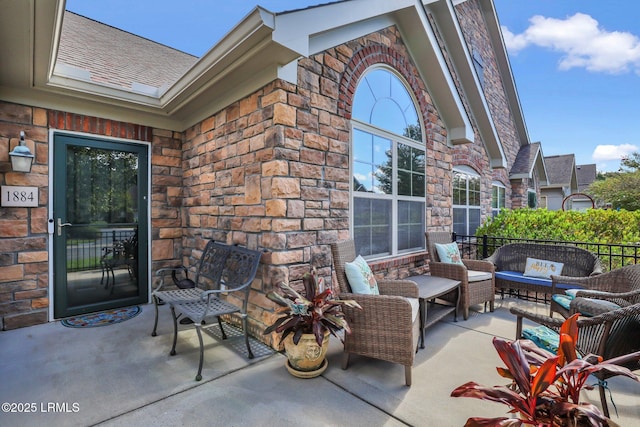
495	32
451	32
262	47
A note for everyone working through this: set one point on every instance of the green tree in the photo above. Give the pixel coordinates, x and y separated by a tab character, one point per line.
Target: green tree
102	186
621	190
411	167
632	161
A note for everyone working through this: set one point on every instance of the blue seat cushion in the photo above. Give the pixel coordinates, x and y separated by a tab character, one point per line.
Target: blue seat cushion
517	276
543	337
563	301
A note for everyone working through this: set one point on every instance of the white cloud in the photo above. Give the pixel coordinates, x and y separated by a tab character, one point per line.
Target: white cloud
582	43
603	153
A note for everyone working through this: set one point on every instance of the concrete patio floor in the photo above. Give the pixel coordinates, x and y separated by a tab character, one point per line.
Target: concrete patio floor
119	375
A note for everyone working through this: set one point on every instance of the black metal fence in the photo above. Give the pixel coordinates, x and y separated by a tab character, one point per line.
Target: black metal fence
89	247
612	255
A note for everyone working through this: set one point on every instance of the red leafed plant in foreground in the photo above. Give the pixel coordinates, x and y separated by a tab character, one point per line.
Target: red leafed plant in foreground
545	387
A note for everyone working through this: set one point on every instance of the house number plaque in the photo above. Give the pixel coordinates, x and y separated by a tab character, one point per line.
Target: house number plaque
23	197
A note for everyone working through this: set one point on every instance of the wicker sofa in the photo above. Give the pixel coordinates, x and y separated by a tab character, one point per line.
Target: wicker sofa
510	261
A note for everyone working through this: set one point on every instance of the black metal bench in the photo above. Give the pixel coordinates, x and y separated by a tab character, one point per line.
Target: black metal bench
223	269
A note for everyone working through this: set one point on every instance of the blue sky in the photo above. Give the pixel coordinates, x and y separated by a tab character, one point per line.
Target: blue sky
576	63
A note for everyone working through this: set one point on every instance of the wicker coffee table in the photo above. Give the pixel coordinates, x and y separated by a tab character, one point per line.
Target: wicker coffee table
430	288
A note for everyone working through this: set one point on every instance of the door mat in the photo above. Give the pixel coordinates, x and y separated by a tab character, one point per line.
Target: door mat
235	340
108	317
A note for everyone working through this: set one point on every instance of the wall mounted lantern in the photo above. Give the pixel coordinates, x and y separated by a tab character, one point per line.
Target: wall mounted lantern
21	157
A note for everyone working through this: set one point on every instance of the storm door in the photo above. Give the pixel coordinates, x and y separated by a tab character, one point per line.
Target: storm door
99	224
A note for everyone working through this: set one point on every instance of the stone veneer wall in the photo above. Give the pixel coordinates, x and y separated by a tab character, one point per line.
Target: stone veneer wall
474	31
23	231
24	268
272	170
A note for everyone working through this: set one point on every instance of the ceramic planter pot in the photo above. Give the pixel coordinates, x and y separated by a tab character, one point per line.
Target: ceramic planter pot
307	358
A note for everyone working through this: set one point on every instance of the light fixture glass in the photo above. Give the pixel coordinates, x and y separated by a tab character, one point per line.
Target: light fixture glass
21	157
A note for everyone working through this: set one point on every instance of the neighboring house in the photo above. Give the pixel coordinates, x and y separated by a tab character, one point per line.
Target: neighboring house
586	175
562	182
529	161
371	119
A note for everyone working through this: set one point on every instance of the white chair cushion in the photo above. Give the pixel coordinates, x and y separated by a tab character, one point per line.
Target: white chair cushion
478	276
415	307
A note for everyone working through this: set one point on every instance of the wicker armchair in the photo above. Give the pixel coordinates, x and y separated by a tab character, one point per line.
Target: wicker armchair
610	334
621	286
472	291
388	325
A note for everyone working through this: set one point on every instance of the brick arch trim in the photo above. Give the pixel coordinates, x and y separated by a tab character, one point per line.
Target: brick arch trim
468	163
375	54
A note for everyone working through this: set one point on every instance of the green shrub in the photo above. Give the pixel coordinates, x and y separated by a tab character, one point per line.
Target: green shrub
598	226
591	226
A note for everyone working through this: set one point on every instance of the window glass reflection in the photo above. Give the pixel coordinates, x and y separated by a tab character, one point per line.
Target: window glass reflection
392	170
372	226
410	225
382	100
370	162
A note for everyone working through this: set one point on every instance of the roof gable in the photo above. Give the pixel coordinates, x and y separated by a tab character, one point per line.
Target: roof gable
562	171
158	86
528	160
586	175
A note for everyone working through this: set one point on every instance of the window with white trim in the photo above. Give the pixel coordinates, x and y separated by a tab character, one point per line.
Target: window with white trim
466	201
498	199
388	168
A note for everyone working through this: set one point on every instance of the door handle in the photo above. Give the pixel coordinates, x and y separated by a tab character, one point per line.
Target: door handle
61	224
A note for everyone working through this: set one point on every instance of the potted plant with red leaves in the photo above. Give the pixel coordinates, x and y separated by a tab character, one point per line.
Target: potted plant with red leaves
545	387
305	323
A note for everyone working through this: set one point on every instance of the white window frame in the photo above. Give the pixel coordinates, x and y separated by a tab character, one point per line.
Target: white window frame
469	173
495	210
394	197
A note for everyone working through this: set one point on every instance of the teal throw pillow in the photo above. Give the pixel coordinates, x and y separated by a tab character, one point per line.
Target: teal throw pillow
361	278
543	337
449	253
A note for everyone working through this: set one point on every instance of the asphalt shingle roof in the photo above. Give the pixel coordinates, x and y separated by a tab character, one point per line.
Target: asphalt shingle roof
525	159
116	57
586	174
560	169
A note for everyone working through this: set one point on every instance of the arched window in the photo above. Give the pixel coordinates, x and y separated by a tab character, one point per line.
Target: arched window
388	167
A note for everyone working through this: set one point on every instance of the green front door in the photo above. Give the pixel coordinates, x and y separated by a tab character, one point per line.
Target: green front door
100	224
